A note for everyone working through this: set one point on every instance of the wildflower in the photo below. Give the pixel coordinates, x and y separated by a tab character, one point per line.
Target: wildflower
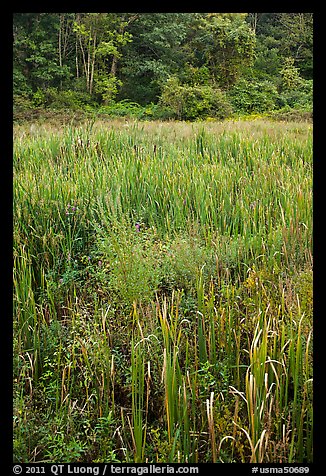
100	263
137	225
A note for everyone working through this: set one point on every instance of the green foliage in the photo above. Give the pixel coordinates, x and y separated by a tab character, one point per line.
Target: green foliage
114	57
68	99
290	74
155	53
192	102
299	97
22	102
54	99
280	36
21	87
228	45
294	92
213	378
183	260
303	288
107	86
104	433
128	109
131	268
59	448
250	96
193	76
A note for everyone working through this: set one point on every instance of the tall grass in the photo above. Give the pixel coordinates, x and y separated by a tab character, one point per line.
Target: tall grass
163	292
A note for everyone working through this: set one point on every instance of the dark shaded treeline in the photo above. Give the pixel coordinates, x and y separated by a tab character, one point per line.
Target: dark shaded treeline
186	65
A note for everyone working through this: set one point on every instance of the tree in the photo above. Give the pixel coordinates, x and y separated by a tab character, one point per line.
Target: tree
101	57
284	35
36	62
298	40
100	37
154	54
190	102
225	44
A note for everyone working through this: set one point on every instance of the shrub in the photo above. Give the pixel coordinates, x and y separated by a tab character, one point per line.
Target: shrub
300	97
129	264
123	108
107	87
126	108
192	102
55	99
250	95
183	261
22	102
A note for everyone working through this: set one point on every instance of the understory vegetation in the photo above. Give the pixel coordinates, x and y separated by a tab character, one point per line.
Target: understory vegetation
163	292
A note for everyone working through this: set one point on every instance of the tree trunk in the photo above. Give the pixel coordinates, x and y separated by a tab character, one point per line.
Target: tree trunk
59	47
114	66
93	65
84	61
77	68
60	41
254	21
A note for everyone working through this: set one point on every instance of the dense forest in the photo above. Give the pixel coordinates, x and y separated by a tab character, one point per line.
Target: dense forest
163	65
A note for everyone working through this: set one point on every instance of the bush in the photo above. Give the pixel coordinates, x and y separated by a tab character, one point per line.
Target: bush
192	102
132	109
291	115
68	99
128	264
123	108
300	97
52	98
22	102
250	95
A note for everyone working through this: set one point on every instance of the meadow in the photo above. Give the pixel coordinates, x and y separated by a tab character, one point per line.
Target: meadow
163	292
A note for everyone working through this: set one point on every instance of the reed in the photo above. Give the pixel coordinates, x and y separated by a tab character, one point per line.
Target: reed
163	292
